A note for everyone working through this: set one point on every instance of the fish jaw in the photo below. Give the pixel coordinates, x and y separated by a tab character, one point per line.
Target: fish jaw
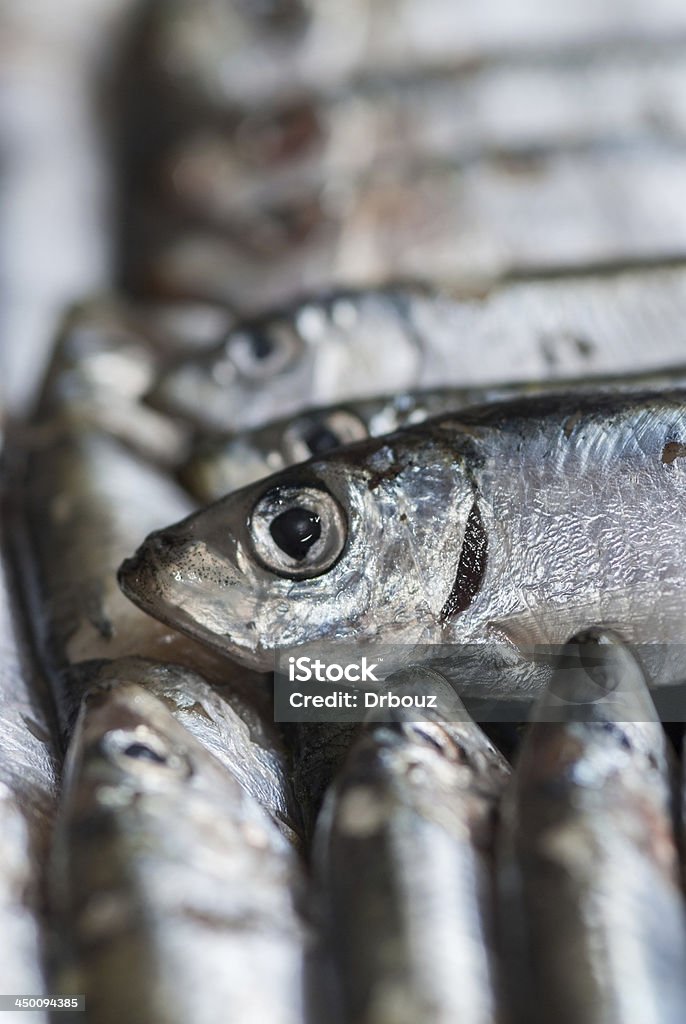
162	578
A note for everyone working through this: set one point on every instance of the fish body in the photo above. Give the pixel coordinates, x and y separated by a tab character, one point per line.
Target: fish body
27	801
403	857
458	227
86	498
589	862
226	56
170	876
223	463
239	732
318	146
102	365
352	345
210	168
493	530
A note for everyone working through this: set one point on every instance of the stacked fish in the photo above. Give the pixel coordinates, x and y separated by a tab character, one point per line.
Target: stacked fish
401	352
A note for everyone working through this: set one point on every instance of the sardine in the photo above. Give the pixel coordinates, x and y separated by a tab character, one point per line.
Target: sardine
102	365
75	530
354	345
494	530
177	890
200	54
223	463
238	734
590	868
455	226
27	798
86	500
404	858
211	169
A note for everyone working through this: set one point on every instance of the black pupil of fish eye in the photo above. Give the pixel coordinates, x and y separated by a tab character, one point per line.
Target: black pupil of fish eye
295	531
262	345
320	440
141	752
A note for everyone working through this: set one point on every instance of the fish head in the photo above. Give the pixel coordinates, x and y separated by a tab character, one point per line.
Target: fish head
362	544
237	383
125	736
229	463
319	351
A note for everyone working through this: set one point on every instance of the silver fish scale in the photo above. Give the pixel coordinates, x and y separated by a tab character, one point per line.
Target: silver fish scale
336	220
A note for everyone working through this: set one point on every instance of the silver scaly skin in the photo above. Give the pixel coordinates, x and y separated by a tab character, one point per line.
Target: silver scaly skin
275	148
224	463
595	922
403	856
28	782
221	56
298	145
175	885
456	227
80	458
238	732
74	531
505	526
89	444
353	345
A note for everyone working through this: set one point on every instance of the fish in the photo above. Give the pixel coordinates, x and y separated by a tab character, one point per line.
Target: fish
102	365
220	463
167	875
28	784
480	536
351	345
237	731
403	861
84	498
87	494
589	870
210	168
203	56
457	227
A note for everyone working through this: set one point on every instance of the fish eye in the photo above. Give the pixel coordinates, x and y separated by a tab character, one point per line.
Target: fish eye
141	749
263	351
298	532
142	752
320	433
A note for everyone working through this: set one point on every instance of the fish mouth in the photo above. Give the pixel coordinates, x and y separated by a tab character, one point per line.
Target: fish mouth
136	577
148	580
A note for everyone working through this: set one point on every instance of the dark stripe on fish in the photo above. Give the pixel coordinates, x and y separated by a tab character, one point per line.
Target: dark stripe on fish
470	568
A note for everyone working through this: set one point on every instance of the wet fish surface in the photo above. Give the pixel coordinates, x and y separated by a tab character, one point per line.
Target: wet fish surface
170	876
494	530
27	799
220	463
84	486
203	55
403	854
452	226
76	526
352	345
237	731
103	363
208	168
233	107
590	866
